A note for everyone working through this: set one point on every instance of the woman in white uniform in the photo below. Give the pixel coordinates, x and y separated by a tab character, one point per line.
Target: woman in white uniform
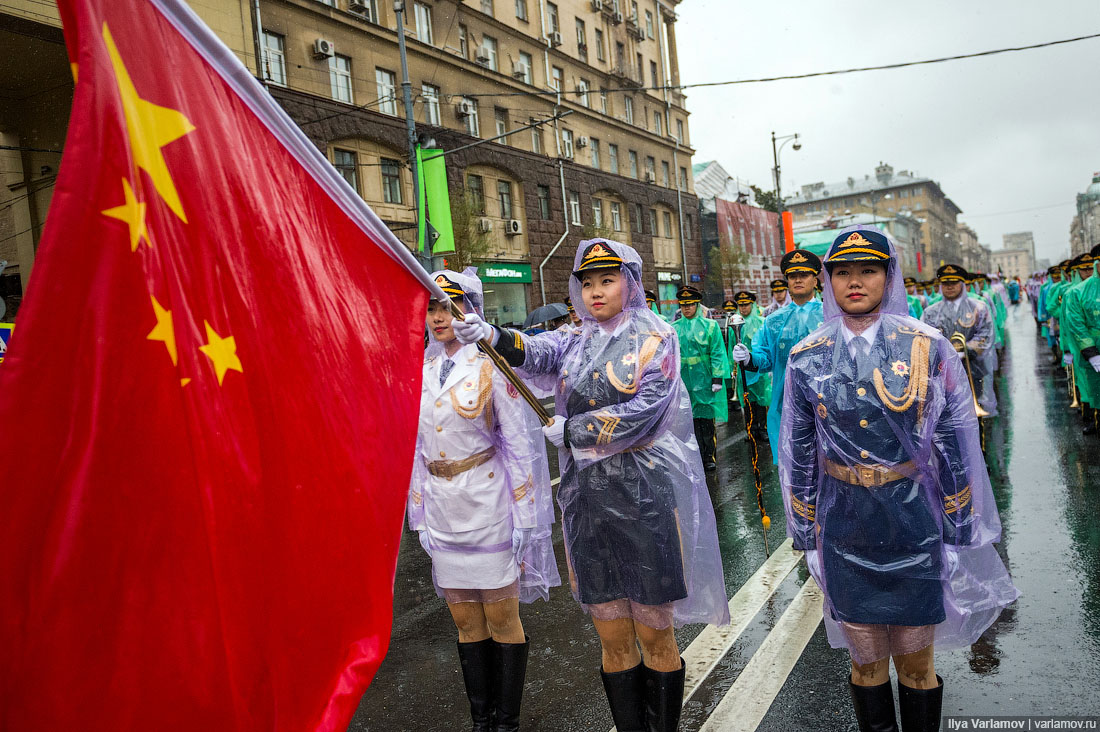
480	500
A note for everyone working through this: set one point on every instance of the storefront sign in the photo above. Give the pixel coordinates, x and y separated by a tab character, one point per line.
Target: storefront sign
5	336
506	272
696	278
669	277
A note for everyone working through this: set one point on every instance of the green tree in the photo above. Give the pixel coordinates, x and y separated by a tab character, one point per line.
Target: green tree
591	231
471	244
766	200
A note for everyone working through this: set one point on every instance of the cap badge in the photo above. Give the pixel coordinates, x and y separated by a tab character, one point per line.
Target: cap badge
597	251
799	257
855	238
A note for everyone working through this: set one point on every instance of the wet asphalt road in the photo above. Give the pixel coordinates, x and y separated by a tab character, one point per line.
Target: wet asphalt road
1041	658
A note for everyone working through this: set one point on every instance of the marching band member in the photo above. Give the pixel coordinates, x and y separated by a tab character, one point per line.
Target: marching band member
760	384
1078	311
704	369
780	297
916	304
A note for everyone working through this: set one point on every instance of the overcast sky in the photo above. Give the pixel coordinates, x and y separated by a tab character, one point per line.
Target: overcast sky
1011	138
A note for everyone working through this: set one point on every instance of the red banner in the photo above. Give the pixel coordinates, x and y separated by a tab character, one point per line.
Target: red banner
755	231
212	401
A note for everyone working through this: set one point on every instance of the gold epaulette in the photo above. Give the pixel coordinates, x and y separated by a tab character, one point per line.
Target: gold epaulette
911	331
807	345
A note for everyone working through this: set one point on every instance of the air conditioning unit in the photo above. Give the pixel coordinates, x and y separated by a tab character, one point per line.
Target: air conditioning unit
484	225
519	70
617	18
650	177
514	227
582	141
555	39
597	6
464	108
482	55
323	48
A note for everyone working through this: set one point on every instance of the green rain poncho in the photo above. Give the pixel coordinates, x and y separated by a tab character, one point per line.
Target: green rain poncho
1081	333
702	359
760	384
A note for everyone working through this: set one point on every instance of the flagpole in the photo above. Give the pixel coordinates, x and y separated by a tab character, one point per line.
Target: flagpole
425	254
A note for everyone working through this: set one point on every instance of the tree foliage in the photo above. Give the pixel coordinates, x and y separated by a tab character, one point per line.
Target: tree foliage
727	264
766	200
471	245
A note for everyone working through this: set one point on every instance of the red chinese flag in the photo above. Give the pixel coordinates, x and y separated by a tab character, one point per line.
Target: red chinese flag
210	407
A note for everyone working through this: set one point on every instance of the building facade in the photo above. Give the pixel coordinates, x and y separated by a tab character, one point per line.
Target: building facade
587	141
1084	229
883	195
1012	263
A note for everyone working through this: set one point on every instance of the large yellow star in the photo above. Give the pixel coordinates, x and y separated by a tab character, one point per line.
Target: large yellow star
149	127
222	352
163	330
133	213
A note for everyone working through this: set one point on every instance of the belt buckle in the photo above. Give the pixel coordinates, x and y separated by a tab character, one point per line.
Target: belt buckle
866	475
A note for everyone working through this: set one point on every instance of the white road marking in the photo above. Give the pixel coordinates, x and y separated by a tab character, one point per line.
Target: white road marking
750	697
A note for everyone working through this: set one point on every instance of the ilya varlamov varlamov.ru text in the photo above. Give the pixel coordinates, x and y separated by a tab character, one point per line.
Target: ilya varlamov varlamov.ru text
1021	723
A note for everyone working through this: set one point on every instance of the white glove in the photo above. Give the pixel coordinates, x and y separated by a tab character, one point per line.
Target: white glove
424	542
1095	363
520	539
952	558
741	353
715	388
1067	359
813	561
555	431
472	329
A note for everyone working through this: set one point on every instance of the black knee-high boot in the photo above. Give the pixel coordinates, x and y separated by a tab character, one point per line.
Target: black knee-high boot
478	661
920	708
626	696
509	674
664	698
874	707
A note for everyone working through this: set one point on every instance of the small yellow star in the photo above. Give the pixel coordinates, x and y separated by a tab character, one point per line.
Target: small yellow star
222	352
149	127
163	330
132	212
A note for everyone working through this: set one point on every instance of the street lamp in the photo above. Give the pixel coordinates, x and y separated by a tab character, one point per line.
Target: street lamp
874	200
775	156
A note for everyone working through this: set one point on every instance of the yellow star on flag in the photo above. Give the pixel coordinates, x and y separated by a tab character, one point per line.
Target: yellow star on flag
222	352
163	330
149	127
133	213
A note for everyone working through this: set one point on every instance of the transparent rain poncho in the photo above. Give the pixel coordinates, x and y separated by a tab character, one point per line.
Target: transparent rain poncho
883	475
639	528
508	425
970	316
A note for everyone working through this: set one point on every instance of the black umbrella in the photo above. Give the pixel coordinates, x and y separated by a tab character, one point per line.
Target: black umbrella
545	314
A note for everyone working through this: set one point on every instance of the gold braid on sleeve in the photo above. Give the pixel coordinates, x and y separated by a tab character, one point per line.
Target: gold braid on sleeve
917	387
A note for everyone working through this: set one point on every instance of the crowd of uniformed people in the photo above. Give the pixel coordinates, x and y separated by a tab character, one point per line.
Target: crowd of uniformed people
870	389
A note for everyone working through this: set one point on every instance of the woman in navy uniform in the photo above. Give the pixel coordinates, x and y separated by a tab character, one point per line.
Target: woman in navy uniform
886	488
640	535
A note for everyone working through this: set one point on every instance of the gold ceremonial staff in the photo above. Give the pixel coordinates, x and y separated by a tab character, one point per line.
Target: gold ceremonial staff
509	374
958	340
738	322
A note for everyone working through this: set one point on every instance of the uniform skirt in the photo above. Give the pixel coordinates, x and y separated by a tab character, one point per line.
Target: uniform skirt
481	559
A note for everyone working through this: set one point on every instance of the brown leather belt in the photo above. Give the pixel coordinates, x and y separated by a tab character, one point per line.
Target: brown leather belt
870	476
450	468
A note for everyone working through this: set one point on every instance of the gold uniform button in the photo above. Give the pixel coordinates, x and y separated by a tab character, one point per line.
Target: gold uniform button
490	475
862	423
820	395
595	374
439	428
439	404
442	454
591	402
864	454
861	391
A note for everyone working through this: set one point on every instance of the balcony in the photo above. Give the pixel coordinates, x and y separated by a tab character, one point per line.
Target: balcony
626	76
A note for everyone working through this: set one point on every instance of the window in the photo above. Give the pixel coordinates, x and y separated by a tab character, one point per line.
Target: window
473	125
650	168
339	76
500	119
423	15
666	177
489	51
628	109
666	218
536	140
620	55
430	94
599	45
527	63
639	214
475	189
616	216
634	11
657	121
683	178
346	163
653	222
594	145
603	100
641	68
690	224
370	11
552	16
463	41
574	208
649	23
597	212
387	91
504	195
556	76
521	10
582	40
391	180
904	193
487	7
544	201
274	50
653	74
613	158
633	164
582	91
680	131
567	143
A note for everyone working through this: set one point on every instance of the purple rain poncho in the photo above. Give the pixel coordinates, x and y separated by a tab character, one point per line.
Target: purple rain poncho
469	518
883	475
639	527
972	317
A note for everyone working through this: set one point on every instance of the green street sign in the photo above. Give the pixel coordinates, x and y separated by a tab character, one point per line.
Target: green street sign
504	271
